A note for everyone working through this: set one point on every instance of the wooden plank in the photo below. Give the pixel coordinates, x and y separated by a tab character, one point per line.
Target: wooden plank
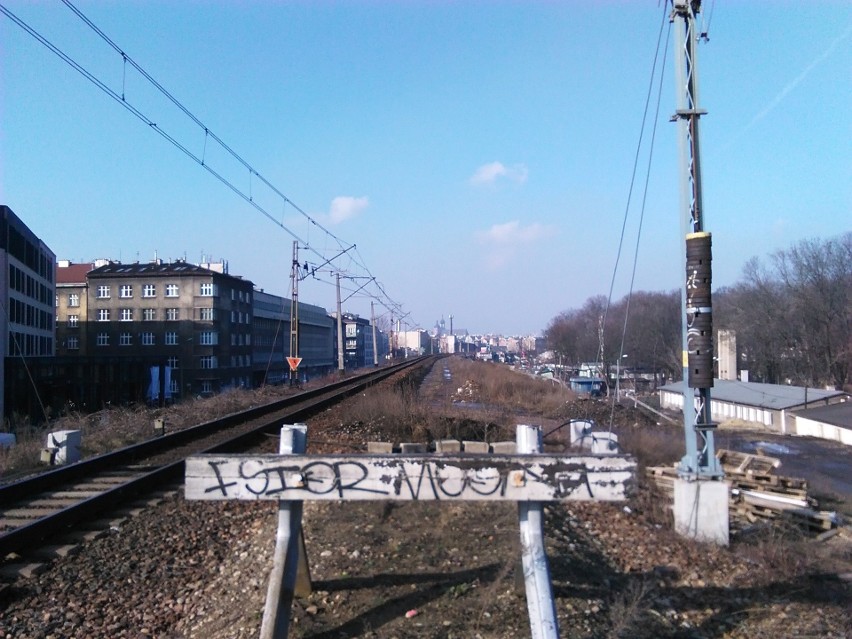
410	478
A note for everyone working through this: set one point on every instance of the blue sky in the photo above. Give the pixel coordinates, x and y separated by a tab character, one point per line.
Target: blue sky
479	154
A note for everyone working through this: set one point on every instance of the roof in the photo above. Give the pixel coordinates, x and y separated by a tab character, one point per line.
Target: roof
73	273
771	396
834	414
137	269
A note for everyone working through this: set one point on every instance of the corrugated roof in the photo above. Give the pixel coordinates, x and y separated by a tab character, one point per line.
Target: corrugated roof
771	396
835	414
73	273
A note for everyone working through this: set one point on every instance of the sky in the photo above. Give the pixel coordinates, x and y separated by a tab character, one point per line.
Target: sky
478	155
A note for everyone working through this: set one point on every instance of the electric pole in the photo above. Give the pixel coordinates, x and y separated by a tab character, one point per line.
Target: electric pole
294	315
701	502
339	329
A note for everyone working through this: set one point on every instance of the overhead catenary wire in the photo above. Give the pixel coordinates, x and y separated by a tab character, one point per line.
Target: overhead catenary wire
653	76
380	296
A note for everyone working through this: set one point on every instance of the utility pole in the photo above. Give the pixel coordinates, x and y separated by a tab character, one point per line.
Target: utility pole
699	470
294	314
375	344
339	329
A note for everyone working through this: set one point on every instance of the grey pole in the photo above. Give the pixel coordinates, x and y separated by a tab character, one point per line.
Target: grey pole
339	330
540	603
282	579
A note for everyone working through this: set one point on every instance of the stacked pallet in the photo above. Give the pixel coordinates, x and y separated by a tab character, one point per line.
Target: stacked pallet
757	493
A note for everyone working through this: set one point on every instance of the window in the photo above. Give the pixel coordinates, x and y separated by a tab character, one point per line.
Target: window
125	291
125	339
206	386
173	362
172	290
208	338
103	339
172	314
233	317
73	321
206	314
73	299
149	290
171	339
207	289
103	291
248	340
125	314
103	314
147	339
73	343
149	314
207	361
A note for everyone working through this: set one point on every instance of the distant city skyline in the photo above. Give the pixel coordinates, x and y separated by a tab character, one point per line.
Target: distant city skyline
479	156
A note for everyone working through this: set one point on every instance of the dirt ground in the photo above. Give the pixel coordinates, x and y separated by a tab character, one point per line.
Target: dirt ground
451	570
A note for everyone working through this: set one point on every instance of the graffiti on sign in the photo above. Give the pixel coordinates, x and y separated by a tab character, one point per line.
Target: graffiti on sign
395	477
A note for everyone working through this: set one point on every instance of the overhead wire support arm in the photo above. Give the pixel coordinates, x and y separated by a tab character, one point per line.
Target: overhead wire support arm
360	288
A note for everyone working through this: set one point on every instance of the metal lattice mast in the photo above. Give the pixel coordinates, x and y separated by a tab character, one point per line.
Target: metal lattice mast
294	313
696	303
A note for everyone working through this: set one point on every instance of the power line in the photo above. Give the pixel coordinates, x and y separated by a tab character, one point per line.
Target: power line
630	196
381	296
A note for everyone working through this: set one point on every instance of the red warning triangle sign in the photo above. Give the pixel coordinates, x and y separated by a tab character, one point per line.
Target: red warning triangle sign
294	362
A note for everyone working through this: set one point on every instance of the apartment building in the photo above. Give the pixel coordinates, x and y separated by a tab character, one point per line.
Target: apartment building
189	326
27	294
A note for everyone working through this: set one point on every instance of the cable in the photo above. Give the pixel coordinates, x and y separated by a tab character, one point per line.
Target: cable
122	100
629	200
632	182
641	217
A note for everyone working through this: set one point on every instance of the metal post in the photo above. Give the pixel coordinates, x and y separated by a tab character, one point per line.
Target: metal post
540	603
375	344
282	579
339	329
696	305
294	313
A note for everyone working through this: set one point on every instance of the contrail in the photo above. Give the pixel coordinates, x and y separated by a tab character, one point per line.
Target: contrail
792	85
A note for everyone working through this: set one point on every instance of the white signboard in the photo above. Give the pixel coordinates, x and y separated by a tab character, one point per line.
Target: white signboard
410	477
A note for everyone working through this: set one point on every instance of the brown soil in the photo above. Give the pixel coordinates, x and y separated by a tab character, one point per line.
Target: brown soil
444	570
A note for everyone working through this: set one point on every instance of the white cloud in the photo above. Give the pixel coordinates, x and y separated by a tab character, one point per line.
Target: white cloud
490	173
344	207
503	242
512	232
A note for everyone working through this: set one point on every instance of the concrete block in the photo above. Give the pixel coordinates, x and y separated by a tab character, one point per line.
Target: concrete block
379	447
410	448
580	431
67	443
447	446
475	447
504	448
604	443
701	509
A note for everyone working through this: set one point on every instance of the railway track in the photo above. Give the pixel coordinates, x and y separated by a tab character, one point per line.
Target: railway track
64	503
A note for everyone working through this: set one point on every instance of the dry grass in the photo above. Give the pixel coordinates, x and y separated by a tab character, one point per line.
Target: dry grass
500	385
116	427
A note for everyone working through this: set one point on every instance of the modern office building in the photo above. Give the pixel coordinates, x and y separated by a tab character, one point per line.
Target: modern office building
271	340
27	296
